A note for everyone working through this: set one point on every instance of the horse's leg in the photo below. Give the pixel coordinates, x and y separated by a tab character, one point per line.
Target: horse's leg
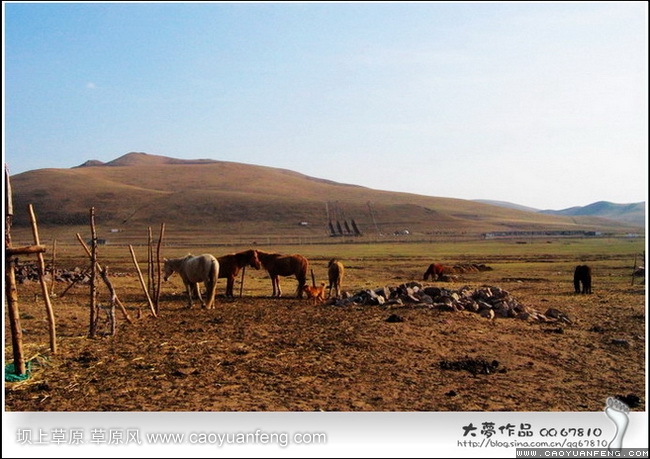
188	289
230	285
302	281
276	286
209	290
197	289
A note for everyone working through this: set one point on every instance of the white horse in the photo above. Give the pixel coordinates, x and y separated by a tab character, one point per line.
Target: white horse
194	269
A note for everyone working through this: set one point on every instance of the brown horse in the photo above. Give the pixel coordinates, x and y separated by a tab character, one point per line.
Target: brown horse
231	264
278	265
335	276
435	270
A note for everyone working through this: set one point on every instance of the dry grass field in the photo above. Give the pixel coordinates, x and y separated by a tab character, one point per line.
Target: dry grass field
257	353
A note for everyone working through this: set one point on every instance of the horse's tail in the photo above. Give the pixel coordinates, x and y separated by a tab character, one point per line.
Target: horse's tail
212	284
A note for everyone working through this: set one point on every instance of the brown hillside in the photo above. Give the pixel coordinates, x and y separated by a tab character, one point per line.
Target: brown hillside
139	190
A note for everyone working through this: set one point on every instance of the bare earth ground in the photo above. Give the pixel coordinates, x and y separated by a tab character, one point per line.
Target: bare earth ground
257	353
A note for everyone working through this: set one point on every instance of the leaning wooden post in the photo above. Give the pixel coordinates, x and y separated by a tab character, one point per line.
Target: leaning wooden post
11	291
53	267
111	311
144	286
241	286
108	284
83	274
159	274
150	279
93	275
41	276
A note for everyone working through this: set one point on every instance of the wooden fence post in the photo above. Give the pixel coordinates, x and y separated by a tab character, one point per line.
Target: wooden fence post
159	277
93	275
10	285
108	284
241	286
144	286
53	268
41	276
150	277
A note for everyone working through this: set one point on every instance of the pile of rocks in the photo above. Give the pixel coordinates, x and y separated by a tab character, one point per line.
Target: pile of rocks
488	301
28	272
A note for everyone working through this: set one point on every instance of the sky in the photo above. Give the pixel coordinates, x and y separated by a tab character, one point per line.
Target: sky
539	104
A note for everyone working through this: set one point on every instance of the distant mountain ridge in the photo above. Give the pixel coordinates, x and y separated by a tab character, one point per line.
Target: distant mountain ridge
143	159
633	213
230	199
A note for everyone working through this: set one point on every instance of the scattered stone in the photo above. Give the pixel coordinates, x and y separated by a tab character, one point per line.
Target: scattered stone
395	318
621	342
558	330
487	313
557	314
631	400
474	366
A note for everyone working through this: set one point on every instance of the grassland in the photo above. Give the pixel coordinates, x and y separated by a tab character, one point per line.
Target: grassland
256	353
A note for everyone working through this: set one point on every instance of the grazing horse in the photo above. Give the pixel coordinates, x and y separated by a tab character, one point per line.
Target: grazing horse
230	265
582	275
435	270
335	275
278	265
194	269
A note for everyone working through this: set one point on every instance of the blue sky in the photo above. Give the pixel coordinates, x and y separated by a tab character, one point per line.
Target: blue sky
540	104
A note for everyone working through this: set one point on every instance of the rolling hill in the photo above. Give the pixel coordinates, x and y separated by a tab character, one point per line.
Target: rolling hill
633	214
139	190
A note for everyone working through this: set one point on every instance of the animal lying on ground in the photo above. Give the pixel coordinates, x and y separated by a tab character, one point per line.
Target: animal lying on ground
315	293
582	279
335	275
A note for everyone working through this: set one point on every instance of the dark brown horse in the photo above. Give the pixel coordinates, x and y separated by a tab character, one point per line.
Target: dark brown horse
582	276
230	265
435	270
278	265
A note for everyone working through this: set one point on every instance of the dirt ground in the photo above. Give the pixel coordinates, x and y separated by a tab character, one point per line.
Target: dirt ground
256	353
